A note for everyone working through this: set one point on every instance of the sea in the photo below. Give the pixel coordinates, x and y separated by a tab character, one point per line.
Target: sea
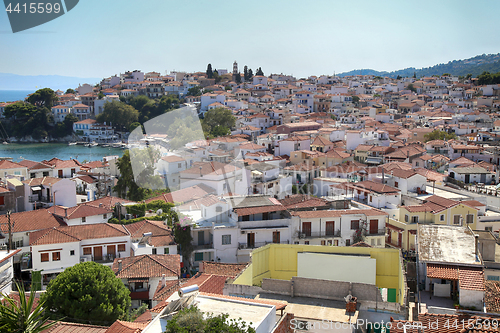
14	95
45	151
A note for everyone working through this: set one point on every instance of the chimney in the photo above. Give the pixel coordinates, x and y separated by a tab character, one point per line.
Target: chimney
163	280
119	265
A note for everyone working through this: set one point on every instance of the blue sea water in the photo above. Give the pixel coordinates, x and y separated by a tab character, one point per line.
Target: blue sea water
45	151
14	95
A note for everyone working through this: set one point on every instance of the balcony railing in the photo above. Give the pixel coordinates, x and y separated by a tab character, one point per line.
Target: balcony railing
316	234
243	246
379	232
204	246
37	198
100	259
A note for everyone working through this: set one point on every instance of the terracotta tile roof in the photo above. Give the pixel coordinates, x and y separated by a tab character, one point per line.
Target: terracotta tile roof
303	201
210	168
148	265
15	297
161	234
87	179
373	187
321	141
471	278
79	211
6	164
473	203
162	293
184	195
492	296
173	158
146	317
361	244
400	173
126	327
41	181
442	323
60	164
260	209
159	307
30	221
64	327
74	233
217	268
207	283
109	202
251	146
438	271
32	165
95	164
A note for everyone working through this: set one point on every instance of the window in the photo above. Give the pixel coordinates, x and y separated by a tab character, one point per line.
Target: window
414	219
32	175
198	256
372	242
72	252
347	242
87	251
2	201
44	257
84	219
470	218
323	242
306	242
379	241
441	218
154	250
104	216
488	228
121	247
355	225
56	256
406	218
456	219
166	250
371	198
493	278
18	243
396	184
226	239
179	165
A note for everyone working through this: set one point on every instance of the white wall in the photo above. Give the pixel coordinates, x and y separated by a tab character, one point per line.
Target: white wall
336	267
471	298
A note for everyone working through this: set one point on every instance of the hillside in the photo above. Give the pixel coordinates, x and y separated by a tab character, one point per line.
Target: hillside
475	66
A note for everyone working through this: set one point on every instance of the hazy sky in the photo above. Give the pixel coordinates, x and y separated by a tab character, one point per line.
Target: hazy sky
99	38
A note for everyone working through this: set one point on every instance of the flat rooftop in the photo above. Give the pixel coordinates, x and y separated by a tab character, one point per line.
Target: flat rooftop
446	244
313	308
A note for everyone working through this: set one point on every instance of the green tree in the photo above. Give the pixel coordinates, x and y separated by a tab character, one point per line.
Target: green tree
192	320
259	72
87	292
217	77
23	316
411	87
245	73
100	95
182	236
119	114
19	111
237	78
43	97
355	99
133	126
219	131
70	91
250	74
194	91
209	72
439	135
218	117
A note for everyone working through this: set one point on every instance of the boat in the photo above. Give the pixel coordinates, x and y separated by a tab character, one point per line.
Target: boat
72	143
93	144
5	143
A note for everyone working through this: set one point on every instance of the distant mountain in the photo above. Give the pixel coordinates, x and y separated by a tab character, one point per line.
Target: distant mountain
475	66
30	82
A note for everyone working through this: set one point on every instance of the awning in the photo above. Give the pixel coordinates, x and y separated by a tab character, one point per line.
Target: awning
36	188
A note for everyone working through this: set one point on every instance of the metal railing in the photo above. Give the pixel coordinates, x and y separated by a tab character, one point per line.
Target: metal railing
317	234
379	232
242	246
204	246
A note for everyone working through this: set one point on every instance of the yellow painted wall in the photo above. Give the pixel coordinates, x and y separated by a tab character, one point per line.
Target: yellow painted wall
246	277
408	241
279	261
428	217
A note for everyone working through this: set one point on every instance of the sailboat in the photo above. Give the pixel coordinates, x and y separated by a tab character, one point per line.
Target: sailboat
5	137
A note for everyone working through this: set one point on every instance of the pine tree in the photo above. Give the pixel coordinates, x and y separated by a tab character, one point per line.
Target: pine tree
259	72
245	73
250	74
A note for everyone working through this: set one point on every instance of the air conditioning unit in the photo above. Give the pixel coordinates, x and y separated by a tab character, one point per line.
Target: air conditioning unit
243	231
128	216
83	259
302	235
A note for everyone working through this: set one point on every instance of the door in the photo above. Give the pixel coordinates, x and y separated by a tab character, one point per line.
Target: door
98	253
306	228
250	240
201	237
276	237
111	250
59	173
373	227
330	228
400	239
467	179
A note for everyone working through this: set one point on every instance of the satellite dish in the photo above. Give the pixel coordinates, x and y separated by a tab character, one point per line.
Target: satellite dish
159	212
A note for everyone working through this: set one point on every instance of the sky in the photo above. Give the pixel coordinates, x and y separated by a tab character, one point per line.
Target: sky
100	38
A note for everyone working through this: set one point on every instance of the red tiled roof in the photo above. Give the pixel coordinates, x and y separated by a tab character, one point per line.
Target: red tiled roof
109	202
492	296
184	195
337	213
30	221
162	293
64	327
373	187
280	305
75	233
6	164
209	168
173	158
208	283
442	323
126	327
217	268
446	272
471	278
41	181
148	265
79	211
161	234
303	201
259	209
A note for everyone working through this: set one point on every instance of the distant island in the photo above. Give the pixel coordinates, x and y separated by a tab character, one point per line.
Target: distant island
474	66
33	82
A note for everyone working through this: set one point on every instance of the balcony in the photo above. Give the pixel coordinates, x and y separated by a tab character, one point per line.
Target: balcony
140	294
243	246
380	232
108	258
40	198
204	246
319	234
